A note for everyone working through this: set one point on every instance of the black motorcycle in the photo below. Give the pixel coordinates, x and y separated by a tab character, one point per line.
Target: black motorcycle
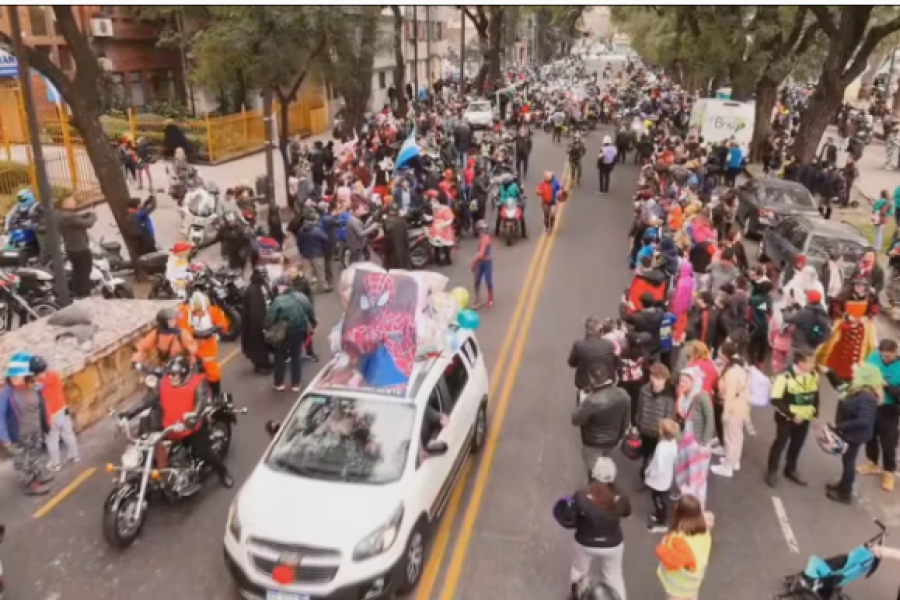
140	479
27	294
224	289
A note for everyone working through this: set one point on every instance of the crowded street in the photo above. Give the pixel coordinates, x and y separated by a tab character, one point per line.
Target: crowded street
498	538
565	328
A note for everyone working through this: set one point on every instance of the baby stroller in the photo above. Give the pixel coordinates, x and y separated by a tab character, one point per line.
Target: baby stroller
825	579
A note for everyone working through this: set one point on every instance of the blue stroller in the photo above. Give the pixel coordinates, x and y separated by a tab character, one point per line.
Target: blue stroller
825	579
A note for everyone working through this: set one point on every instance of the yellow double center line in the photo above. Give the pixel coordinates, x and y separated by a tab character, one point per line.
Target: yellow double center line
514	345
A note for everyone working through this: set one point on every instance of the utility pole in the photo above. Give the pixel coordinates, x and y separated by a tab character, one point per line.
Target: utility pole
416	51
268	123
428	75
60	282
462	49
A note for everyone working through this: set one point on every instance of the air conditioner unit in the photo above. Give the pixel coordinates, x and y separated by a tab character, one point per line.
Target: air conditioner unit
101	27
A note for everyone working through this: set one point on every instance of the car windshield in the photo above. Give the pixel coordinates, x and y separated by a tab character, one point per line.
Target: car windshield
798	198
849	250
479	107
345	439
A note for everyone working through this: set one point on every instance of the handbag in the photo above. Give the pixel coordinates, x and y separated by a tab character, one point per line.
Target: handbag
275	333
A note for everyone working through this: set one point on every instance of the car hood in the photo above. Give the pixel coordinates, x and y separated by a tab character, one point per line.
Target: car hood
291	509
788	211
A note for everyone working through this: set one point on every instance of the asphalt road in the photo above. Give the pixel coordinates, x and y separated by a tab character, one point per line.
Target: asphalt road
498	540
60	554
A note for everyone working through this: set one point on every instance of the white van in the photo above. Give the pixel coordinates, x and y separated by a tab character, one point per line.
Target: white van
718	120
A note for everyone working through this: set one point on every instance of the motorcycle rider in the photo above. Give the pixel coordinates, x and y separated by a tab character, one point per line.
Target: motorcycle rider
238	243
576	152
26	217
481	189
509	190
205	321
523	151
183	391
166	340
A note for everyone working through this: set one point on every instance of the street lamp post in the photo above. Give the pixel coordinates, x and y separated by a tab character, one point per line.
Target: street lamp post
45	192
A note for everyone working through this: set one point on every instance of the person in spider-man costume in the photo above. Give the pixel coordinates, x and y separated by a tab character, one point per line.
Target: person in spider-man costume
379	333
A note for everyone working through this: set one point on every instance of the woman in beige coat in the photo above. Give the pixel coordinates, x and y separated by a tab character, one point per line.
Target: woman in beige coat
734	391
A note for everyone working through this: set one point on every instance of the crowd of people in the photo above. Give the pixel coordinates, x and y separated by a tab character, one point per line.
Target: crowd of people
702	337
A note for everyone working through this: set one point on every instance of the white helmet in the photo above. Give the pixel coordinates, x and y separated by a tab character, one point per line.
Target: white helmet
607	140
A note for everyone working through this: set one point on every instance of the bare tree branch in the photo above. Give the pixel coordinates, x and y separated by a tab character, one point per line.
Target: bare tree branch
80	47
797	28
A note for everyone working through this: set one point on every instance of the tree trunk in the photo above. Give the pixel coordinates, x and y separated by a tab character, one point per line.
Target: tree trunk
895	103
399	63
823	105
484	48
766	98
107	169
495	49
284	129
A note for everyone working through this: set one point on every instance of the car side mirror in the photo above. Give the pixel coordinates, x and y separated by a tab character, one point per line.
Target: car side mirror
272	427
436	448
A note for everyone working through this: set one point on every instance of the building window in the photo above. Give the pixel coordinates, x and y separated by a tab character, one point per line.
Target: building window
37	16
136	89
382	80
162	85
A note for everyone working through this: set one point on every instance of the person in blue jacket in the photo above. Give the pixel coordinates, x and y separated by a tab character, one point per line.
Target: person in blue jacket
735	163
22	424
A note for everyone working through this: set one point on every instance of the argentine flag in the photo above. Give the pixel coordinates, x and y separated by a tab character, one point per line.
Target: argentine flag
408	151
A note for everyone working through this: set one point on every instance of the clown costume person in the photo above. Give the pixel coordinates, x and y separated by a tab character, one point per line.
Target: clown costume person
205	322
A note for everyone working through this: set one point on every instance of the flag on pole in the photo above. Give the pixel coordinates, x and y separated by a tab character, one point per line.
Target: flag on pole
408	151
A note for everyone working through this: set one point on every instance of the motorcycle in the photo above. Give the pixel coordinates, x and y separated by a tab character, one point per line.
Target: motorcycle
21	249
200	215
28	294
138	478
102	278
178	188
510	220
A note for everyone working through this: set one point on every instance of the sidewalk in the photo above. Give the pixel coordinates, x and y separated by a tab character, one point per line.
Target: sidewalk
167	218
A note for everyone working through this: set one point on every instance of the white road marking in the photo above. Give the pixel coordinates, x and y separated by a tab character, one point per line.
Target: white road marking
785	523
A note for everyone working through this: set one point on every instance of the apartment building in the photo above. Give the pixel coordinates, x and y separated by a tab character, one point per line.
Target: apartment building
425	30
127	47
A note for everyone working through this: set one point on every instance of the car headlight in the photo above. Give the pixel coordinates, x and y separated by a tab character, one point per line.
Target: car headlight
131	459
234	523
380	540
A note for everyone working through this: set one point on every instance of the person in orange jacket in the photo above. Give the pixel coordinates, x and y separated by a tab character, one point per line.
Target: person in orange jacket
205	321
676	218
166	340
50	386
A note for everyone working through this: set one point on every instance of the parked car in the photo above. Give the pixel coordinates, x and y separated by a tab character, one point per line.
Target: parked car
355	480
479	114
763	203
814	238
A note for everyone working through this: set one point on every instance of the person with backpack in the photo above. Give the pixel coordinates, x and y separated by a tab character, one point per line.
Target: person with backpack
287	324
812	325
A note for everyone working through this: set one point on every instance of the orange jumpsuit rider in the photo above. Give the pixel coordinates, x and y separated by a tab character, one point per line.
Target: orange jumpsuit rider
166	340
204	321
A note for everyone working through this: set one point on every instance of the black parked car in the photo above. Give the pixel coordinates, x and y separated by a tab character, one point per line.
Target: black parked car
763	203
814	238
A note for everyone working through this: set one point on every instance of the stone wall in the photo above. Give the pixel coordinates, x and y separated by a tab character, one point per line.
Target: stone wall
97	373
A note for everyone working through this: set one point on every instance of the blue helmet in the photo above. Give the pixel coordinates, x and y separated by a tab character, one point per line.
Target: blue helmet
25	198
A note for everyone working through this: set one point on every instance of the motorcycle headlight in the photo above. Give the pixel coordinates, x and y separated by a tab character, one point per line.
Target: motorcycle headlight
131	459
151	381
234	524
380	540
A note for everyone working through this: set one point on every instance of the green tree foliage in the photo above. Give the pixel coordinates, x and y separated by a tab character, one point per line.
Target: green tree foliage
852	34
488	22
556	28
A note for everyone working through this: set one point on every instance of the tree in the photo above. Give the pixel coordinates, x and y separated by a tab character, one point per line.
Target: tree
852	35
350	61
399	62
83	94
488	21
273	49
555	27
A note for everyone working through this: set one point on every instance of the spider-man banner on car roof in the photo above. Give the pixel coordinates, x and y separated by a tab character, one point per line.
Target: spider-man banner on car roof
378	334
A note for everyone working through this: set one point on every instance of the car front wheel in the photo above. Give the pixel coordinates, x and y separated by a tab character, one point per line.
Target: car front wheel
480	429
413	560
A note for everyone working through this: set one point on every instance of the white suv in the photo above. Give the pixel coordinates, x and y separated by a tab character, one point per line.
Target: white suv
342	503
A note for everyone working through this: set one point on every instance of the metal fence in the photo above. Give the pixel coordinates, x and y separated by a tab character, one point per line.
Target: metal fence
211	139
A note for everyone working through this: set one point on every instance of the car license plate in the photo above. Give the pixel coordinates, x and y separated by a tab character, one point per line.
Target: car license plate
276	595
11	254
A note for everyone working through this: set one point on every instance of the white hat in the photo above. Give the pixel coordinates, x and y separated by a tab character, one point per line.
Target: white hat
607	140
604	470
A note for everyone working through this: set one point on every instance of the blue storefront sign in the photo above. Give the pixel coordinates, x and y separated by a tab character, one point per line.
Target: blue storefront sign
9	67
